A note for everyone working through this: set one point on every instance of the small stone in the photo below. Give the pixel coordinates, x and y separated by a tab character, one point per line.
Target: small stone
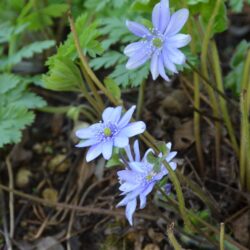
58	164
23	177
50	195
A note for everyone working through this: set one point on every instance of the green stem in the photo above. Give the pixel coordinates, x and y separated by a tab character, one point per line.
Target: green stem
204	67
92	87
197	120
140	100
172	238
85	110
222	236
90	99
85	63
223	104
245	126
209	228
180	197
208	83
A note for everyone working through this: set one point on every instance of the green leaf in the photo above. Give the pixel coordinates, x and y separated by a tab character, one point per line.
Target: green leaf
236	5
193	2
162	147
127	78
88	36
240	53
151	158
234	77
20	97
7	82
116	31
113	88
107	60
114	161
221	21
12	121
64	75
97	5
43	17
26	52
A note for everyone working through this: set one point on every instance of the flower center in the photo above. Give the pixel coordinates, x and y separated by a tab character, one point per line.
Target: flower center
157	42
149	177
107	132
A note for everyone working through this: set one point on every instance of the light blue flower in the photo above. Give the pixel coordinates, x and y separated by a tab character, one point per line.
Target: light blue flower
114	130
161	44
139	178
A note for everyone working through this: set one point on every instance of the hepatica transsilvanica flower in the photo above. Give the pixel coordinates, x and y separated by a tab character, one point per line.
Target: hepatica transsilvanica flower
114	130
139	178
161	44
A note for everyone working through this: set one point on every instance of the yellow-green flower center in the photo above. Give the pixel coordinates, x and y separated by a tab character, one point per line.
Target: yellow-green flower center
149	177
107	132
157	42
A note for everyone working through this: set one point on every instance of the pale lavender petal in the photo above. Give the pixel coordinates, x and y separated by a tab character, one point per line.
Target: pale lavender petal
94	152
137	151
112	114
169	146
107	149
130	209
127	175
132	129
143	200
173	165
167	62
162	69
148	189
170	156
87	143
116	114
177	21
132	48
178	41
137	166
130	196
107	113
86	133
126	117
128	152
138	59
167	188
176	55
144	159
154	65
161	15
121	141
128	186
137	29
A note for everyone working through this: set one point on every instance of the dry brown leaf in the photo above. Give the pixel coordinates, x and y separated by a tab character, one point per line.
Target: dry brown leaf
151	247
184	136
240	228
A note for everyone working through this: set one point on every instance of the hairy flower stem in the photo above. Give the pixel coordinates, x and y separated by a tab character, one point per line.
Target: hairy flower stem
204	68
85	63
197	120
222	236
85	110
197	116
210	229
171	237
206	82
245	126
92	87
140	100
223	104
